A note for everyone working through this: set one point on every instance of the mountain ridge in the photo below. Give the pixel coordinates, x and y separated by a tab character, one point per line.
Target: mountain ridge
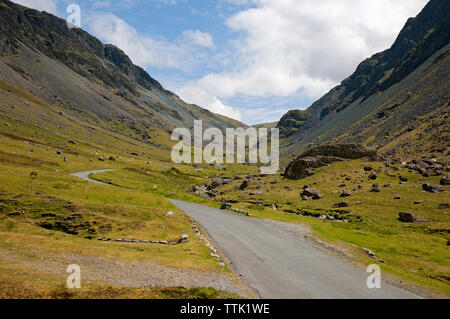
424	39
71	68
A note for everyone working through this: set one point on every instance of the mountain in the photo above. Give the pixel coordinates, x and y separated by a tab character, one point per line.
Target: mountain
396	101
74	71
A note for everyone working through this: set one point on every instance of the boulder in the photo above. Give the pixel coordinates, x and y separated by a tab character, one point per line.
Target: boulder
304	167
407	217
341	205
245	184
345	194
310	192
344	151
432	188
445	180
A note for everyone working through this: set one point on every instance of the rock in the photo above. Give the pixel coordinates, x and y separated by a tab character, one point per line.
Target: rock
58	153
304	166
373	176
444	206
245	184
72	142
310	192
375	190
225	206
397	197
317	197
275	181
169	213
369	252
403	179
410	218
256	193
368	168
101	159
304	198
417	202
175	169
344	151
358	203
341	205
445	180
432	188
345	194
111	158
386	185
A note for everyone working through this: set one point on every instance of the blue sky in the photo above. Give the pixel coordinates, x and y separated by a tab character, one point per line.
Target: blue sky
252	60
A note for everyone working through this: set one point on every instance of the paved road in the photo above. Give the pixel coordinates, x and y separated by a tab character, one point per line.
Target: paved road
85	175
278	263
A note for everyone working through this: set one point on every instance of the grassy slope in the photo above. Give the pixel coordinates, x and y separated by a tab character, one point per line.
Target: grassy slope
42	207
414	252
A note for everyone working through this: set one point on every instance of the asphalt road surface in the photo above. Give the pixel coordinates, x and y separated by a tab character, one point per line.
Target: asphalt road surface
278	262
85	175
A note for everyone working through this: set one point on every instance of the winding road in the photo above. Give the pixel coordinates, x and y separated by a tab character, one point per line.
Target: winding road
277	261
85	175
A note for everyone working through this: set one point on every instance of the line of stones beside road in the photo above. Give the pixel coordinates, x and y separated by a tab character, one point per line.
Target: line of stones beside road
214	252
183	239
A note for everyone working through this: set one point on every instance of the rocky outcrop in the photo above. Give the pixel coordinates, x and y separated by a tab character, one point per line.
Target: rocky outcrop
304	165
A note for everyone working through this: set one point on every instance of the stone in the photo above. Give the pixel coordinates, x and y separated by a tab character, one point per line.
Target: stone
169	213
225	206
310	192
417	202
375	190
444	206
368	168
373	176
111	158
101	159
341	205
445	180
345	194
245	184
407	217
432	188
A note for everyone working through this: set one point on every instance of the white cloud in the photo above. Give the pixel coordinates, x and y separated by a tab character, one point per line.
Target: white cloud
41	5
199	38
290	45
194	94
181	54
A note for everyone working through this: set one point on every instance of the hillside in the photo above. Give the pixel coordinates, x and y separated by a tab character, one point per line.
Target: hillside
396	101
73	70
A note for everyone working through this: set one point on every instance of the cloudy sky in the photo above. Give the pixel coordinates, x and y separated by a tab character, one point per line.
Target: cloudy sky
252	60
